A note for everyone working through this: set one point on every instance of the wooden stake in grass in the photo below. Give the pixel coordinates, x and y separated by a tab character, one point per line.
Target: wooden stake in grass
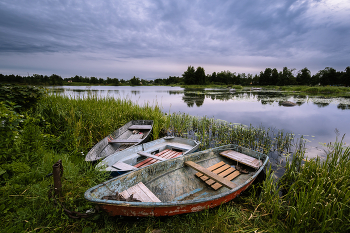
57	174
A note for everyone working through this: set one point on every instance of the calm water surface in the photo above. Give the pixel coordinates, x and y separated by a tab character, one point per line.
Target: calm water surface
316	118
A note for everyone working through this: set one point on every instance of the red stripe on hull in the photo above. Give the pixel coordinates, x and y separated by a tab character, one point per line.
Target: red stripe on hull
170	210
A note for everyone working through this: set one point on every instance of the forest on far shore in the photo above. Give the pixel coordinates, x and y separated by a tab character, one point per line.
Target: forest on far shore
192	76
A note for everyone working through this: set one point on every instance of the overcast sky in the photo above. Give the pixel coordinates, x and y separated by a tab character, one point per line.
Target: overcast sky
156	39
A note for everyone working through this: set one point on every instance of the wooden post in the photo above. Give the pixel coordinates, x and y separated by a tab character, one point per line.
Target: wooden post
57	174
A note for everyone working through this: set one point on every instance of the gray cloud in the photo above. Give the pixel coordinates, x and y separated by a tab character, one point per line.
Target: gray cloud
125	37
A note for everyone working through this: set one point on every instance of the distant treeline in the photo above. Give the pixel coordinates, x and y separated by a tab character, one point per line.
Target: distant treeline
55	79
35	79
192	76
327	76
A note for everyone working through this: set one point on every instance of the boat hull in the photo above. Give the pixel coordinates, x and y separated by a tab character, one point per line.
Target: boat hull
177	185
145	211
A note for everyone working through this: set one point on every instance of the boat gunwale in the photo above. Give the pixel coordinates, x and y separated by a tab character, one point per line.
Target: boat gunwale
164	141
177	203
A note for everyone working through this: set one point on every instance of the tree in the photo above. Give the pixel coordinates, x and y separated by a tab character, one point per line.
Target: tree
211	78
77	78
285	76
189	76
170	80
256	80
199	76
244	79
235	79
265	78
328	76
93	80
55	79
346	76
135	81
224	77
158	81
274	76
304	77
315	79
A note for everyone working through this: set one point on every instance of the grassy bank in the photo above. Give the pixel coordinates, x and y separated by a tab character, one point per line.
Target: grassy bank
315	192
213	86
313	90
308	90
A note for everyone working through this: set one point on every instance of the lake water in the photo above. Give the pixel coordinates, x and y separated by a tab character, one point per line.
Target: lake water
316	118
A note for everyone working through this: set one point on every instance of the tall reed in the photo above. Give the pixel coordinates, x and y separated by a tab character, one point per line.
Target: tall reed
318	192
213	132
78	123
312	195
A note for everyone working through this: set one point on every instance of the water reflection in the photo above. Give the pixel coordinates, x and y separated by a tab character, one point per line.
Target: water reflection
344	106
315	117
264	102
113	92
321	105
190	100
176	92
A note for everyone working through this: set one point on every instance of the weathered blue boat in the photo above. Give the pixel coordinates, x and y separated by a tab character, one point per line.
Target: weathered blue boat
132	133
186	184
140	156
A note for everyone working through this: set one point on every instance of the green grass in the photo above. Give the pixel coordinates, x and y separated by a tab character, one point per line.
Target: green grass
314	90
235	86
207	86
78	84
84	122
318	191
315	192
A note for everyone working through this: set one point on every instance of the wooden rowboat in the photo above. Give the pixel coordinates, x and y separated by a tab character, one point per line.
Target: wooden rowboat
132	133
140	156
181	185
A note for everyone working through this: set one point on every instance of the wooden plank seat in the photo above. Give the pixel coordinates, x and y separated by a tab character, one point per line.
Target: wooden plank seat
216	176
165	154
123	166
242	158
140	127
141	193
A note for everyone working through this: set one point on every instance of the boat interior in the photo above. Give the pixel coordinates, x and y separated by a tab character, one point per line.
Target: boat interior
190	178
188	183
167	150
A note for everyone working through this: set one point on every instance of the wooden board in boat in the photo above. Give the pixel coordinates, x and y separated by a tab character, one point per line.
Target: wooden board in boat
242	158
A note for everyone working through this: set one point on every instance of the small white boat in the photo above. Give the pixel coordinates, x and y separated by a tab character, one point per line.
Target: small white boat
132	133
146	154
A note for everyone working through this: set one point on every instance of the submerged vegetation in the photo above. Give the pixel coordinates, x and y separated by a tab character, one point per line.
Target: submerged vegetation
312	195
